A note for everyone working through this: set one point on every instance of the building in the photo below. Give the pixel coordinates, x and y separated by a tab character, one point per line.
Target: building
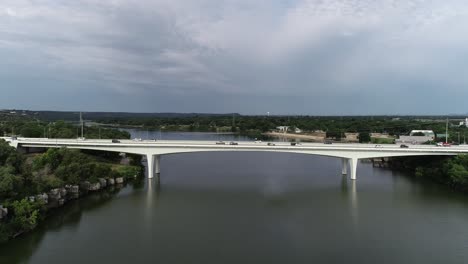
414	139
426	133
282	129
417	137
351	137
464	123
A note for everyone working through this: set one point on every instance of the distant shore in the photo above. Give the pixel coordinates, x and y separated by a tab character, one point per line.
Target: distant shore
295	136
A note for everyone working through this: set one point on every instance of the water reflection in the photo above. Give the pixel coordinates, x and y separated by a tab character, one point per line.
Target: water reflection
349	189
353	198
68	218
152	197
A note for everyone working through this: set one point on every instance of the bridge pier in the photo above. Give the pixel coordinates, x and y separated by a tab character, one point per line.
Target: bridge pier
153	162
150	164
353	167
157	161
344	166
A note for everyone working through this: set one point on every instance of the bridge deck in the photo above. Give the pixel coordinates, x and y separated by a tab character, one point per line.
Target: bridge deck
154	149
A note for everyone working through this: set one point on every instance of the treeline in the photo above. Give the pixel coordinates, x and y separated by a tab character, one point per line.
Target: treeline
450	171
334	126
59	129
24	176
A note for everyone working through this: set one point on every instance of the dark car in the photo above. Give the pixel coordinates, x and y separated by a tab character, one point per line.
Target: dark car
270	144
293	143
233	143
115	141
327	142
220	143
404	146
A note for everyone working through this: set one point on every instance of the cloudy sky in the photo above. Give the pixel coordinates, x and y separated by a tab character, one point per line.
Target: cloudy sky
323	57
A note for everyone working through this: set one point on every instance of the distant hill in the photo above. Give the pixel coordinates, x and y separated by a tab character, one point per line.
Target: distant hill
74	116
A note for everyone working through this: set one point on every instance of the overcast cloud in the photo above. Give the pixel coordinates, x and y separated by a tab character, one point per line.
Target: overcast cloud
248	56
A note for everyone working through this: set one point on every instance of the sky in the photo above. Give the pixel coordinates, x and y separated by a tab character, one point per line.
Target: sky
310	57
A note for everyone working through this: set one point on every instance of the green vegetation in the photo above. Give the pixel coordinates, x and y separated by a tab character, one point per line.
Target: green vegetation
382	140
23	176
335	127
364	137
45	124
28	127
450	171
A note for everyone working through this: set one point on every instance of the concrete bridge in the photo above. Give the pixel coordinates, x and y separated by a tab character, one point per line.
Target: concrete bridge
153	150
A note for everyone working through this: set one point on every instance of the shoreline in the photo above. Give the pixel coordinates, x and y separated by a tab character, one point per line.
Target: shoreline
295	136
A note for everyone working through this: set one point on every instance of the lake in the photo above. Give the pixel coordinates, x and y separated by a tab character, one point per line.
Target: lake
254	207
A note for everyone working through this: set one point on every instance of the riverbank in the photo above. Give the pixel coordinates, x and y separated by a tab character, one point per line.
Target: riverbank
39	206
449	171
320	138
33	184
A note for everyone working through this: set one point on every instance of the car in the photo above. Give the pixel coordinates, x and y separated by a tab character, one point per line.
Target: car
257	141
81	138
115	141
439	144
378	146
445	144
270	144
233	143
293	143
220	143
404	146
327	142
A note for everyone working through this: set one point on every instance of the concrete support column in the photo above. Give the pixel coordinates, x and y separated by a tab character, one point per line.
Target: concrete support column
157	161
353	167
344	166
150	163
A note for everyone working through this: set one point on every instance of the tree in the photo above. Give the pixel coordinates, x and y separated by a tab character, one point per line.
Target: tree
364	137
31	130
25	215
10	184
5	151
336	134
458	175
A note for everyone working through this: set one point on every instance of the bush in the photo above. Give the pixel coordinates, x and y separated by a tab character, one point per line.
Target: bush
128	172
25	215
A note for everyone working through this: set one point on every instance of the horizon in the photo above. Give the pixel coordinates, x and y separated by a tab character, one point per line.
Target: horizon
240	114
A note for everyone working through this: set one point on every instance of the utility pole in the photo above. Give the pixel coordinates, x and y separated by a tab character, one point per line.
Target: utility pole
446	131
81	120
233	120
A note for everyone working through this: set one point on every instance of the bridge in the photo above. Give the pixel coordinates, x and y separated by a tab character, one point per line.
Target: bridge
153	150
